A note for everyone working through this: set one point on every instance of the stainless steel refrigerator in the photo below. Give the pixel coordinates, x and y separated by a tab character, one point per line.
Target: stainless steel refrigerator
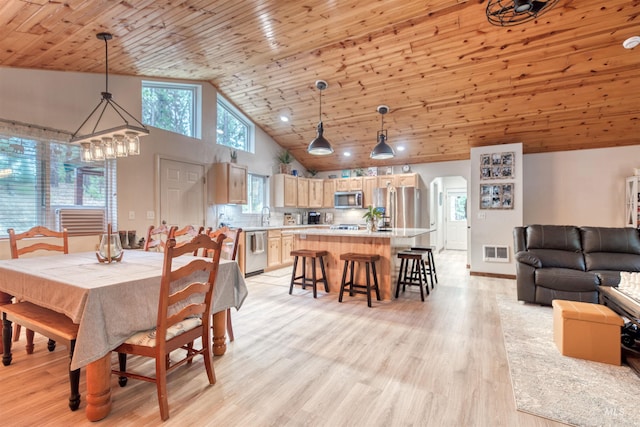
401	205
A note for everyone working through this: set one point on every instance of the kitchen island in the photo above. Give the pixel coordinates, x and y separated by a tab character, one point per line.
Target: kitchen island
384	243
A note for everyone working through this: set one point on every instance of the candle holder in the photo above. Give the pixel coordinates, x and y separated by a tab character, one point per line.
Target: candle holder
110	249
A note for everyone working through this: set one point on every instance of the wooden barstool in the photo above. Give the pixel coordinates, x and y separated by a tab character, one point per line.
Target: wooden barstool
304	280
416	276
432	264
369	260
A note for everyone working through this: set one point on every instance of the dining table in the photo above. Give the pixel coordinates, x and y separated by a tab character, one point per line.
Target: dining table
109	302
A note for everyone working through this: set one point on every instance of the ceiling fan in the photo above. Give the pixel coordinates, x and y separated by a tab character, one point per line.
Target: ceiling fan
505	13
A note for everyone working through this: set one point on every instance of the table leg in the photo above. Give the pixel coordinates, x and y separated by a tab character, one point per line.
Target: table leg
4	299
99	388
219	331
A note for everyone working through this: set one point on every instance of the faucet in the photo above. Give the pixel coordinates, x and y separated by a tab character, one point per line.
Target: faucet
266	216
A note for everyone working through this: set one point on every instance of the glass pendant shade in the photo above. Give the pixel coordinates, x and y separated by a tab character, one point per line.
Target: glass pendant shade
121	145
109	149
85	154
133	143
382	150
97	153
320	146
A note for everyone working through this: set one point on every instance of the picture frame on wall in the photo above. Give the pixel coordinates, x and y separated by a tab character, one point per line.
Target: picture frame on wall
497	165
496	196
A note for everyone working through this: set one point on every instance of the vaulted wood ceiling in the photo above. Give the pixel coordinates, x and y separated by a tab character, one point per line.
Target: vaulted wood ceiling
452	80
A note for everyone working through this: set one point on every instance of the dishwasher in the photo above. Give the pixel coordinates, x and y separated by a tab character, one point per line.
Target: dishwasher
255	255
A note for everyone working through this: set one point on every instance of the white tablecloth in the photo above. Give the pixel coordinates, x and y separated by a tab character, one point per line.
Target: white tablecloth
108	301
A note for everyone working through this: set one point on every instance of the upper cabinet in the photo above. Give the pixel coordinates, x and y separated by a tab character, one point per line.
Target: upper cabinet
316	193
329	189
401	180
228	182
349	184
369	183
303	192
285	191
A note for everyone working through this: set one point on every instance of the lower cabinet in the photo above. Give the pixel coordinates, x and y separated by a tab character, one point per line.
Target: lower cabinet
279	247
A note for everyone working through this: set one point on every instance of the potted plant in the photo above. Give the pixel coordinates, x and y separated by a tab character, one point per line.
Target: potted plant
234	155
372	215
285	158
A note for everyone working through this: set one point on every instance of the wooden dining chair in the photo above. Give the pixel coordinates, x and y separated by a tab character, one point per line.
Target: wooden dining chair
56	241
184	314
229	251
186	234
157	238
56	326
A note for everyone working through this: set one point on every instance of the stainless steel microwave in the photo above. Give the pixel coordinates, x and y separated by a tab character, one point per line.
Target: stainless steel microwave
347	199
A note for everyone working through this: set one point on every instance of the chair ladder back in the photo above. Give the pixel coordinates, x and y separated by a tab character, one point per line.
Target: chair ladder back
38	232
157	238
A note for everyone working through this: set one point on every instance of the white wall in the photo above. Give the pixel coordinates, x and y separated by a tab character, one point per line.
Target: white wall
494	226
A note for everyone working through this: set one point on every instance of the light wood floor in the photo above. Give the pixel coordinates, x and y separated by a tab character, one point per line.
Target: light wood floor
299	361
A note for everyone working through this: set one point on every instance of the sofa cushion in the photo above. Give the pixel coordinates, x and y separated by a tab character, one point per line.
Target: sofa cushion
565	279
557	258
617	240
561	237
612	261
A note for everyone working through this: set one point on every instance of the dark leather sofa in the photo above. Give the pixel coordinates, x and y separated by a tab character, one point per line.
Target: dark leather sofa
570	263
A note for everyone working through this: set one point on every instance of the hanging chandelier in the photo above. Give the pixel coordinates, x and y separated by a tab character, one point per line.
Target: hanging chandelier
382	150
320	146
100	143
506	13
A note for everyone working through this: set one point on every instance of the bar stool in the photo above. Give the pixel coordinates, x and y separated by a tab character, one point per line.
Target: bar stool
416	276
354	288
432	264
304	280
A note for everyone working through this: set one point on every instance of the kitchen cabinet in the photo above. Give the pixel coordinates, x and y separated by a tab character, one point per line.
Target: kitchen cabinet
407	180
329	188
369	183
632	195
303	192
316	193
349	184
285	191
385	180
286	248
274	248
279	247
228	183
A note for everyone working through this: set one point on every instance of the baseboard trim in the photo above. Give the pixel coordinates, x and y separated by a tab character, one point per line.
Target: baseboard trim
495	275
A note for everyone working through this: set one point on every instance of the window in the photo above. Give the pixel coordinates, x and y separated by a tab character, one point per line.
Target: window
172	106
40	174
257	190
234	129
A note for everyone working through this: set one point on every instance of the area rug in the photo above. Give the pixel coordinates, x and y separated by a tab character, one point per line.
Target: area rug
548	384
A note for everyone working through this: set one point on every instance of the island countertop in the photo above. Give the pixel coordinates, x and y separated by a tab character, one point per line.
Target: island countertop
394	233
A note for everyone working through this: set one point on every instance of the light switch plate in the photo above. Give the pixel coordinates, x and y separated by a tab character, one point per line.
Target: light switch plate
132	214
151	215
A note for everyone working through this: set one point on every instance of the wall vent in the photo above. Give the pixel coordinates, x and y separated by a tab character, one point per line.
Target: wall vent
80	222
493	253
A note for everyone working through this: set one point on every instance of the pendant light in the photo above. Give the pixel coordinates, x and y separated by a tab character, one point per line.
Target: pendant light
95	133
320	146
382	150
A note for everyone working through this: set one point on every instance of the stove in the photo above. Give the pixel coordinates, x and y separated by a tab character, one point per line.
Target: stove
344	227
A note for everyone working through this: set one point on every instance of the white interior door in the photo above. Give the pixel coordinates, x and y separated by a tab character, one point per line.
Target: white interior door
181	193
456	220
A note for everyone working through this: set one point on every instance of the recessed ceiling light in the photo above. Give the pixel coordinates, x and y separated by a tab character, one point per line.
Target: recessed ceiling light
400	147
631	42
347	154
284	118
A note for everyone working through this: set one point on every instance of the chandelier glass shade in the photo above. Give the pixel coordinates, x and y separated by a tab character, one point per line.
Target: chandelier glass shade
99	140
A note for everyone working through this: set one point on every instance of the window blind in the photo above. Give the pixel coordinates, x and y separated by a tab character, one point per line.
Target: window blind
41	174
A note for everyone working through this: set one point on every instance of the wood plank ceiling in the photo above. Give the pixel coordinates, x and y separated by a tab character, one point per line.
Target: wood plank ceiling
452	80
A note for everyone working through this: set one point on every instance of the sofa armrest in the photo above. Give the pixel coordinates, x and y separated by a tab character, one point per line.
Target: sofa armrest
528	258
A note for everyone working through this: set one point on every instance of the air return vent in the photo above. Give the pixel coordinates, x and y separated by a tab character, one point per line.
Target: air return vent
492	253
